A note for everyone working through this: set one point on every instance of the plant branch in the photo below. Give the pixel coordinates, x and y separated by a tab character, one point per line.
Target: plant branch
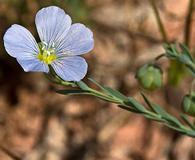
152	112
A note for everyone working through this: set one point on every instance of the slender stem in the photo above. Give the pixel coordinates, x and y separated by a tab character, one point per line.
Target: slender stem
188	23
148	114
134	106
159	21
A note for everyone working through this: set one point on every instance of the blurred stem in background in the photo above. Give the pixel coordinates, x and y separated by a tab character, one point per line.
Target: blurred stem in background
188	23
159	21
176	70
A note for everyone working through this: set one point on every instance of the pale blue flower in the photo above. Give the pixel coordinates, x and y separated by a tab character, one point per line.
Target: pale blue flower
60	46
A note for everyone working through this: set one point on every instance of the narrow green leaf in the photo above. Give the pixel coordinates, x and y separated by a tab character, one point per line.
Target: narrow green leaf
161	111
185	59
175	128
166	115
97	84
83	86
191	68
153	118
187	121
110	91
115	93
129	109
71	92
133	103
157	109
148	102
186	51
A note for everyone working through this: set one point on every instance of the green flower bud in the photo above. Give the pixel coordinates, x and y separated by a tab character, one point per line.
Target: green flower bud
188	104
149	77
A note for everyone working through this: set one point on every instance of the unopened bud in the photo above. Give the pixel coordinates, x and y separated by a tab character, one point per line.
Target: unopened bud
188	104
149	77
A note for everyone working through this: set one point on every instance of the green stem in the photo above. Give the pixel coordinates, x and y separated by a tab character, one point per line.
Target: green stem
159	21
148	114
134	106
188	23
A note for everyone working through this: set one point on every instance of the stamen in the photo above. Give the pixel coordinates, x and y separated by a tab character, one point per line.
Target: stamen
46	55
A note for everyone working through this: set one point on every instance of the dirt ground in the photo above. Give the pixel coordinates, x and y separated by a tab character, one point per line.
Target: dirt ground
36	123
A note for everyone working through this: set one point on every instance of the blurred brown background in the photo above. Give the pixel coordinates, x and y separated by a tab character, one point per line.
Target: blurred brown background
38	124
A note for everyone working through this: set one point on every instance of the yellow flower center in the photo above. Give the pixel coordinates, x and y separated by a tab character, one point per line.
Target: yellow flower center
48	59
46	55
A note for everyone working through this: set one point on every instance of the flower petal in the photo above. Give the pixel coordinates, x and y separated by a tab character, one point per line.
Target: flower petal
52	24
33	65
20	43
70	68
79	40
